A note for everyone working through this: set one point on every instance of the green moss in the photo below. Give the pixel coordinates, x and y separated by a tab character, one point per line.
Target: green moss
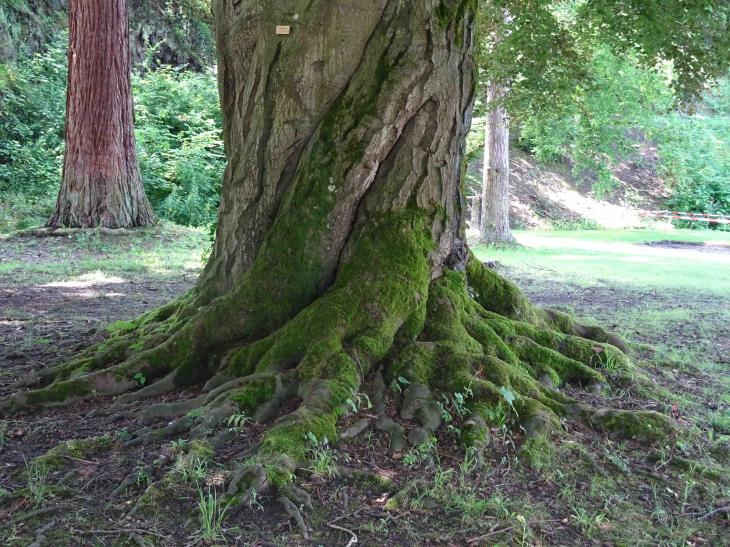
246	360
257	391
537	451
372	480
59	392
201	450
416	363
121	327
496	294
290	438
278	476
58	456
645	426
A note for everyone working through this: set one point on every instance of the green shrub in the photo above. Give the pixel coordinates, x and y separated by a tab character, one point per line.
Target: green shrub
180	143
595	130
695	157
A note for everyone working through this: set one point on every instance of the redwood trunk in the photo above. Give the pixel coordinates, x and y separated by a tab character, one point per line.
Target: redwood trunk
101	184
496	193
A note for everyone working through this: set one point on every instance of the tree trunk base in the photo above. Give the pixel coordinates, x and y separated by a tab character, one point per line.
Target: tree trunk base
470	333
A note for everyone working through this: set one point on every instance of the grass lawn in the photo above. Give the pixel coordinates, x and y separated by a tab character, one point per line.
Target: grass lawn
632	258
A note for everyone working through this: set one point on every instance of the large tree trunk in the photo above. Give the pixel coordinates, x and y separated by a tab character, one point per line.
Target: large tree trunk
101	184
339	261
494	226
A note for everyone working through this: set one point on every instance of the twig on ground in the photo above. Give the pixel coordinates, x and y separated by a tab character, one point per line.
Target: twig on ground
80	460
353	538
479	538
725	508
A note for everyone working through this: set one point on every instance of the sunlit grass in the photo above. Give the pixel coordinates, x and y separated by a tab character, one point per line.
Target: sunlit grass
602	257
167	253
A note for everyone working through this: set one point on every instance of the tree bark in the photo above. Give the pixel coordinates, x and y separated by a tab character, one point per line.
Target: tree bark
339	260
494	226
101	184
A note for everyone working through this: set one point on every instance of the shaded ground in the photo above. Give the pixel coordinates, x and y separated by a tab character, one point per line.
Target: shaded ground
56	295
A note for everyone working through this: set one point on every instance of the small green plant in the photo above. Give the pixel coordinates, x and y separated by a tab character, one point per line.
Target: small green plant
3	433
358	401
212	514
618	461
122	435
421	452
604	360
496	415
236	422
143	478
455	406
178	445
523	522
689	485
452	490
509	396
195	413
398	384
255	503
140	378
36	474
586	521
322	458
190	469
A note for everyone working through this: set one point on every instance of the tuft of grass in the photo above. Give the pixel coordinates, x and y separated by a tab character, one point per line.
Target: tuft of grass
190	469
322	457
38	488
212	513
3	433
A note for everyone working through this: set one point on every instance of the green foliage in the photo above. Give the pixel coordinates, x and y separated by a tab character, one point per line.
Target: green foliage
693	34
322	458
236	422
596	130
38	488
531	48
695	158
140	378
32	109
179	137
178	129
626	103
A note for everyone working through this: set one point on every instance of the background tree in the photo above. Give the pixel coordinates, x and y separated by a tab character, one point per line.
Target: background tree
340	256
101	185
544	51
494	226
530	63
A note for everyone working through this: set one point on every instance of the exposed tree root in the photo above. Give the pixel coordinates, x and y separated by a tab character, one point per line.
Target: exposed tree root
464	331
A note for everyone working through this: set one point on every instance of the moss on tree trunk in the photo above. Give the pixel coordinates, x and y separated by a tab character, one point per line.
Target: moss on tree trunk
340	251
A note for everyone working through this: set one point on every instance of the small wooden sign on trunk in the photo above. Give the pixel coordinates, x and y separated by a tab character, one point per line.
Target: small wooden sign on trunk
283	29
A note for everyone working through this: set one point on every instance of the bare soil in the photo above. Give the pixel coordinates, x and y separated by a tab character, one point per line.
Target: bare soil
593	490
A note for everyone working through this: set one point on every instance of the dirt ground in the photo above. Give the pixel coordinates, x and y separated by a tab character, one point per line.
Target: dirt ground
57	295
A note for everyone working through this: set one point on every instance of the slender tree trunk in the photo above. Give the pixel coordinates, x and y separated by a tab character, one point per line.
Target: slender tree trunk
101	183
495	191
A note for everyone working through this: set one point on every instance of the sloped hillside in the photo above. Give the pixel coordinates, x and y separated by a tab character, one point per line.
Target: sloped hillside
550	196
